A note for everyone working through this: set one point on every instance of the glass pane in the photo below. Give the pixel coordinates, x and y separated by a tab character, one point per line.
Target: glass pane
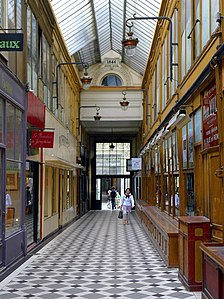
177	197
18	135
197	29
11	14
13	197
214	9
112	80
190	145
112	160
1	173
190	194
1	121
205	22
197	126
10	134
184	146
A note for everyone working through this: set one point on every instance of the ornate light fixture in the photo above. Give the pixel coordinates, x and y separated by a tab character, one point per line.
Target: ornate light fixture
130	43
112	146
124	104
97	117
86	80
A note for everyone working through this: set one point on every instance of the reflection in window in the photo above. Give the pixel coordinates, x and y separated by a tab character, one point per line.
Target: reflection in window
111	80
13	197
10	135
1	121
112	161
1	170
197	126
190	194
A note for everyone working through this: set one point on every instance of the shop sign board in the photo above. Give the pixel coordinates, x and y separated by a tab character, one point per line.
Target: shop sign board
210	120
35	111
12	42
41	139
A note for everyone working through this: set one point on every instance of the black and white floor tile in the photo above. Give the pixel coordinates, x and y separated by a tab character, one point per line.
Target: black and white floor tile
96	257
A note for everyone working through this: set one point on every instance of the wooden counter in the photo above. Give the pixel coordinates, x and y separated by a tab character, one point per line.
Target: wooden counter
213	271
163	231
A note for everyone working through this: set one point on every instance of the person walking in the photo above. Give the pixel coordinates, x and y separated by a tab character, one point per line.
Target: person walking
127	202
113	195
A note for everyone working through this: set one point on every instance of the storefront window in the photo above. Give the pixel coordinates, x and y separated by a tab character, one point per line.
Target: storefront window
1	121
197	126
190	194
190	145
176	196
55	191
1	173
10	135
18	135
184	146
166	193
157	190
13	199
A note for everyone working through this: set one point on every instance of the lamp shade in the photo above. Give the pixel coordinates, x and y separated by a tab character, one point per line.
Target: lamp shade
130	45
86	81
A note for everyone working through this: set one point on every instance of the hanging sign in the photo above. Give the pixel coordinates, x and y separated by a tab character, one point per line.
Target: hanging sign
41	139
210	121
11	42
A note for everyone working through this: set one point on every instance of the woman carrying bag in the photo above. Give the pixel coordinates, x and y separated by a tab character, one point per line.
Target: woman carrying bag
127	203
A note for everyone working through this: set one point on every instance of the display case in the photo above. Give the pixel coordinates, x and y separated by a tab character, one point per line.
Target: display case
213	271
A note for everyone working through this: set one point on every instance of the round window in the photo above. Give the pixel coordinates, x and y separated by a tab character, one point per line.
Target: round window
111	80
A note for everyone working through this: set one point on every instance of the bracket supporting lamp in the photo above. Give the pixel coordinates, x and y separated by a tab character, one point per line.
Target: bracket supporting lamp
86	80
131	43
124	104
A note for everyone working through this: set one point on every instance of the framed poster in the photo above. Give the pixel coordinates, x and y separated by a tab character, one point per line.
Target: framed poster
11	180
210	121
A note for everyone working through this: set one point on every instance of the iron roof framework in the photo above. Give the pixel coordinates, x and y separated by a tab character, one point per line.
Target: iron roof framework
93	27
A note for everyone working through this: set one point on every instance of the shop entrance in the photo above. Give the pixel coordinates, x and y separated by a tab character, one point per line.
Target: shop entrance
32	203
104	184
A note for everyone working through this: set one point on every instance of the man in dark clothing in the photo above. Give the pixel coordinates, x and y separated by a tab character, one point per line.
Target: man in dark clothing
113	195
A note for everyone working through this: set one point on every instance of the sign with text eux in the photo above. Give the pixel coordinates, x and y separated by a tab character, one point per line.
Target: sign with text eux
11	42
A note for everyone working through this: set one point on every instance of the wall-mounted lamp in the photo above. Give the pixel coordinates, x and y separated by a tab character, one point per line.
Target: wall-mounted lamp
112	146
97	117
130	43
86	80
124	104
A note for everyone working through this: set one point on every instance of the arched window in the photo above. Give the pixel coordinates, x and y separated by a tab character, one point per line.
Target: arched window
111	80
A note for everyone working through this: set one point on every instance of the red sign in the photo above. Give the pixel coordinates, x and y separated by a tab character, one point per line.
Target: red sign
35	111
210	121
42	139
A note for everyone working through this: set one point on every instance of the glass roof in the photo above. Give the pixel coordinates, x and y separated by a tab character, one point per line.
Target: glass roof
91	28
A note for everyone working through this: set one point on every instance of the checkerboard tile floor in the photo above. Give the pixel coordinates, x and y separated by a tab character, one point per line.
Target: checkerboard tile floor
96	257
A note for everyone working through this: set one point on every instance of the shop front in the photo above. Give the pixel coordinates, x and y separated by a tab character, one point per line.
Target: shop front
33	196
12	167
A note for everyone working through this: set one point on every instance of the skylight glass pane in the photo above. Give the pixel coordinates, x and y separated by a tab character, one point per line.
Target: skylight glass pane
89	32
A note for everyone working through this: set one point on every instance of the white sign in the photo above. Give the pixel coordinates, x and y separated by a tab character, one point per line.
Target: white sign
136	164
